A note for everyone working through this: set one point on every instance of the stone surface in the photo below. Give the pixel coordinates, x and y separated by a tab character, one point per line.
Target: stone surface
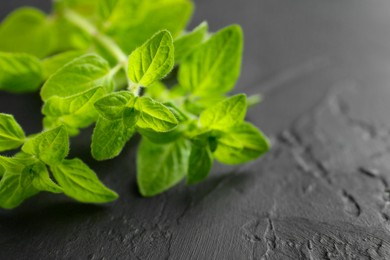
322	192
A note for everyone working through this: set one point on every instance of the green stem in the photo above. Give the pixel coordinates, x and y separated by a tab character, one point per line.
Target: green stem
102	39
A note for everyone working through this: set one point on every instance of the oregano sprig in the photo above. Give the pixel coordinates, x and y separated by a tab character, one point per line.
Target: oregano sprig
107	67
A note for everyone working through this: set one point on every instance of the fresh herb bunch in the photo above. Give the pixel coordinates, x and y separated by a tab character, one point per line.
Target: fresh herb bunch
78	56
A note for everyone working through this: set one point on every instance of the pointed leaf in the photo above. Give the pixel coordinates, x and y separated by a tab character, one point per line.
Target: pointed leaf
81	183
153	60
51	146
224	114
215	66
154	115
240	144
11	134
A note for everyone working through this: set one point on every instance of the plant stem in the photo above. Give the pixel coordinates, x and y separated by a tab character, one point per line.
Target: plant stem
102	39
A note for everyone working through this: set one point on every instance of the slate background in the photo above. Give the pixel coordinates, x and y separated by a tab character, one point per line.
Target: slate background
321	193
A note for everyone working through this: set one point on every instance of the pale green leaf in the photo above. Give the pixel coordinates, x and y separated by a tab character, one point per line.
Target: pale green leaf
161	166
81	74
27	30
20	72
11	134
110	136
224	114
112	106
153	60
139	20
54	63
75	111
154	115
51	146
240	144
186	43
79	182
214	67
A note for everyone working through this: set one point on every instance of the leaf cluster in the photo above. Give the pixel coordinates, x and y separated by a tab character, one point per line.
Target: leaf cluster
143	75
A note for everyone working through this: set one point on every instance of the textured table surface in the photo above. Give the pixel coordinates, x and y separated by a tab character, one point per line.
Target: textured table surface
321	193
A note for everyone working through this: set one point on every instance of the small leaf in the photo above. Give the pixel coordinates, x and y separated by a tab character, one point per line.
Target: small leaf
110	136
153	60
20	72
51	146
224	114
186	43
240	144
54	63
81	183
214	67
161	166
200	163
81	74
26	30
11	134
74	112
41	179
154	115
112	106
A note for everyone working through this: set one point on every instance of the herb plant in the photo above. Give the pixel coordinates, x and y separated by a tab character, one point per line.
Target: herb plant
108	63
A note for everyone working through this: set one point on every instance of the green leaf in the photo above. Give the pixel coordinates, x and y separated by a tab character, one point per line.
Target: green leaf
26	30
161	166
153	60
51	146
74	112
214	67
11	134
200	163
15	188
154	115
240	144
41	178
17	163
81	183
81	74
20	72
111	107
147	17
110	136
224	114
54	63
186	43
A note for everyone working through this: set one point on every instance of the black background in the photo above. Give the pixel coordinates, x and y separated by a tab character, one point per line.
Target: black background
321	193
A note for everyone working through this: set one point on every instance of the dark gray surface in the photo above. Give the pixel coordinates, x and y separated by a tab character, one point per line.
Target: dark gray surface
321	193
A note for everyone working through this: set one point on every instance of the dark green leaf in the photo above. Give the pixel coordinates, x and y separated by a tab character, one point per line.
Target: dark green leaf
200	163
